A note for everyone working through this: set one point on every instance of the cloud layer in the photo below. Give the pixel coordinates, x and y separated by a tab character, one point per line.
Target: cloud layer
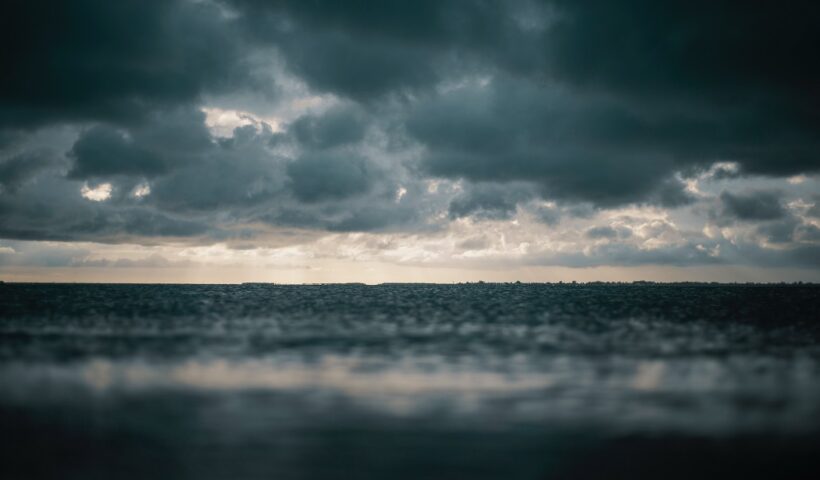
580	133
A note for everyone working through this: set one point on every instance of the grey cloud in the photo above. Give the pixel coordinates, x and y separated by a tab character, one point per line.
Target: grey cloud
789	232
114	60
36	255
103	151
52	209
21	167
807	233
724	173
375	210
597	233
673	57
339	126
814	211
661	89
753	206
671	193
800	256
33	255
229	176
682	255
332	61
489	201
628	255
151	261
777	225
9	137
172	138
369	50
380	217
780	232
211	188
547	215
145	223
132	224
572	148
592	105
473	243
325	176
774	224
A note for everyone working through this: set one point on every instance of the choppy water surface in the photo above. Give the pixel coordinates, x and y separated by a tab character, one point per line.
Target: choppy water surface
409	381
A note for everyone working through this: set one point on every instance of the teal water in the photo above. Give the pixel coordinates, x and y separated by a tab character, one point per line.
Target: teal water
409	381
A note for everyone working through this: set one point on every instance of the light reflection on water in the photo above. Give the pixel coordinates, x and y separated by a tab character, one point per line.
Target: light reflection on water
695	395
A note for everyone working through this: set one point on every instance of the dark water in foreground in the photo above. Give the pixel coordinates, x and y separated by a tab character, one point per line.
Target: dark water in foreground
409	381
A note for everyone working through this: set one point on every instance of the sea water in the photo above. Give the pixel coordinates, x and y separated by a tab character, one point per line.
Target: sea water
409	381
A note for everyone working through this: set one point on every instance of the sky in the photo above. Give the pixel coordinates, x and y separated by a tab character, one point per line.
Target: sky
427	141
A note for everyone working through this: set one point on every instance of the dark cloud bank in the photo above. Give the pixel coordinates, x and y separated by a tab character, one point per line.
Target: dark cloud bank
600	104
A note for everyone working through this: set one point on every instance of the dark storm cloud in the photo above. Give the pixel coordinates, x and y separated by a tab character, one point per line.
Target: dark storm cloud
589	147
720	54
137	222
52	209
574	149
187	170
339	126
666	87
489	201
171	139
377	217
18	168
9	137
742	66
779	232
777	225
195	185
591	105
367	50
103	151
320	177
753	206
360	70
800	256
116	60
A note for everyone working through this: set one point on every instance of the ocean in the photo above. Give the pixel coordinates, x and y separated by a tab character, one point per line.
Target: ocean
469	381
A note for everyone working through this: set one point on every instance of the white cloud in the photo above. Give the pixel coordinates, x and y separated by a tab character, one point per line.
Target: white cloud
141	190
797	179
222	122
721	168
99	193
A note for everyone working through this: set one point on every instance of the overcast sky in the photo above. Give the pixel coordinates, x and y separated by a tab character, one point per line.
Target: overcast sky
426	140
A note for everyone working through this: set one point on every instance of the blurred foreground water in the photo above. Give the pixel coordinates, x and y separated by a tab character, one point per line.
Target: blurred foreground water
409	381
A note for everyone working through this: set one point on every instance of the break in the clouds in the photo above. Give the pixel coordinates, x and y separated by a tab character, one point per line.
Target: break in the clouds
428	134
